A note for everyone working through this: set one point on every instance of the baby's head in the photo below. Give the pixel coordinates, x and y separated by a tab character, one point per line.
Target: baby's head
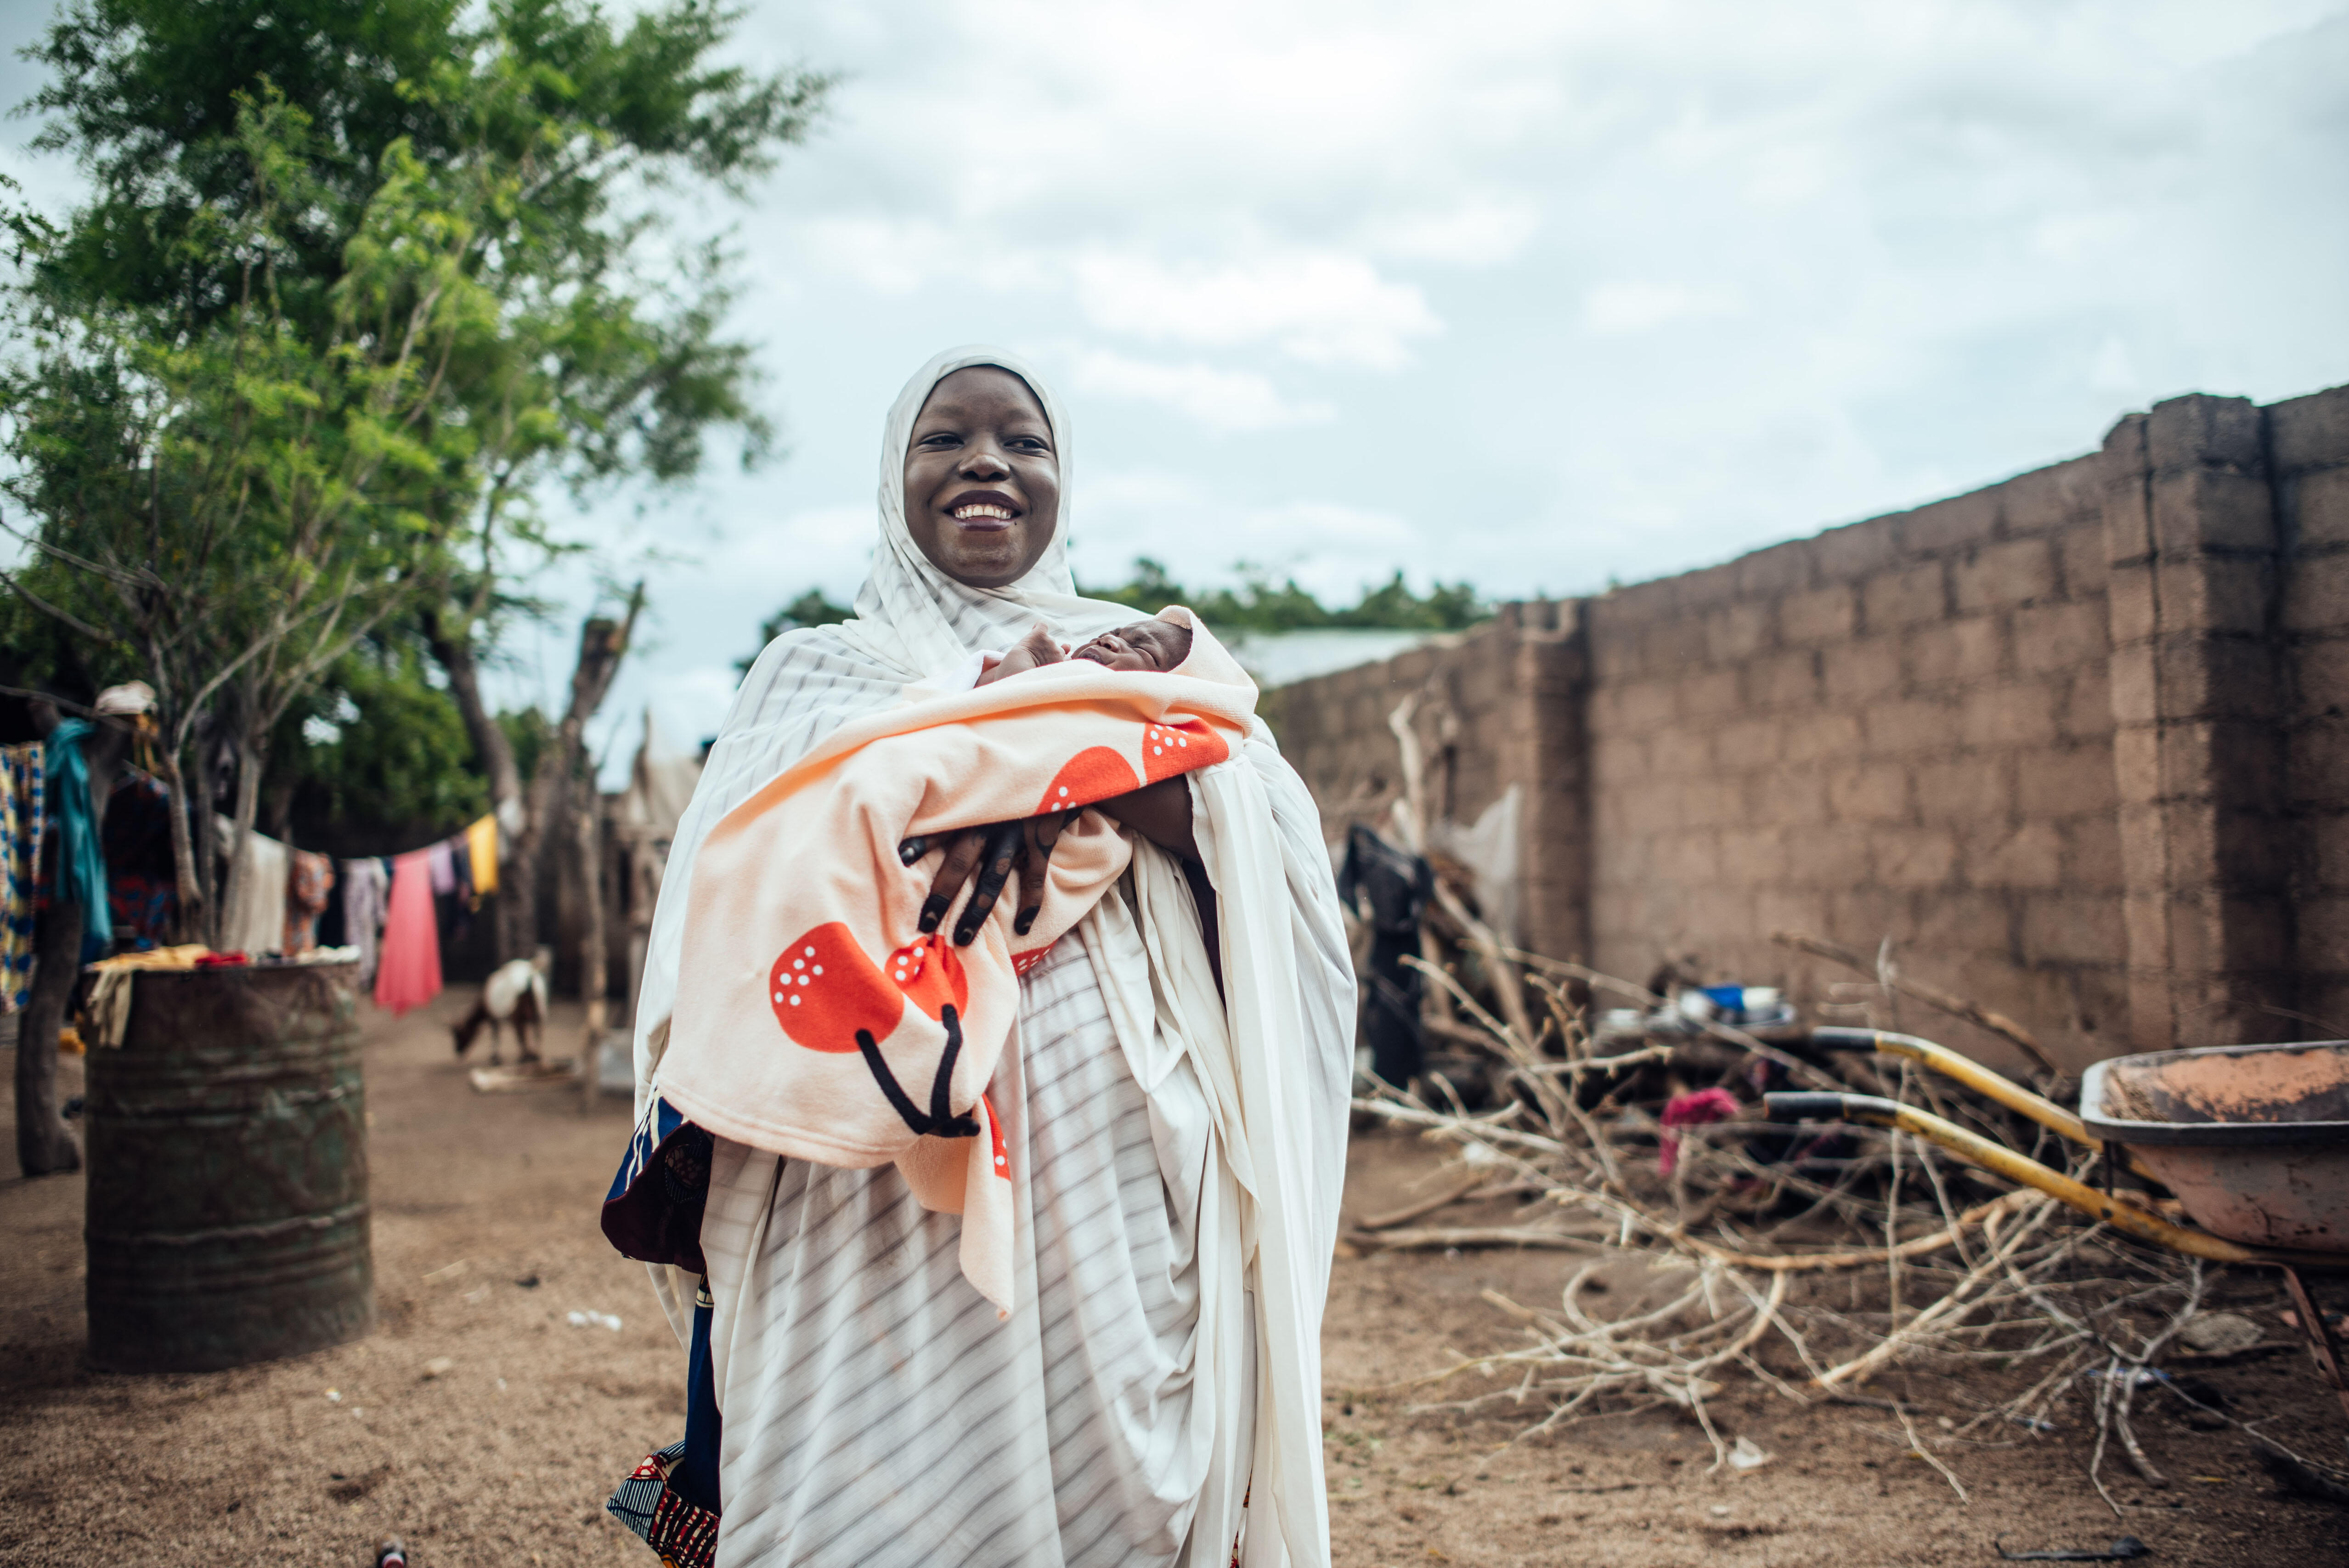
1152	644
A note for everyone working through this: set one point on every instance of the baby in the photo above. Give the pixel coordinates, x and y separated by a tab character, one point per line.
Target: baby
1155	645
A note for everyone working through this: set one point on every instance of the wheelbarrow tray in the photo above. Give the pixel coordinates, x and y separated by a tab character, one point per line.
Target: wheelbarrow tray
2253	1139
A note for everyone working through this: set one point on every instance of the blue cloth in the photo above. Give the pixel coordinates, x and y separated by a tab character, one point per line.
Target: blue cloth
81	864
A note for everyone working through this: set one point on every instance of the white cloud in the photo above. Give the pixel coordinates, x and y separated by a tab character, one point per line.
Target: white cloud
1322	307
1636	307
1219	399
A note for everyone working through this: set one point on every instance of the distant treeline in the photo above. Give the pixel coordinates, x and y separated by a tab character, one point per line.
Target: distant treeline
1257	604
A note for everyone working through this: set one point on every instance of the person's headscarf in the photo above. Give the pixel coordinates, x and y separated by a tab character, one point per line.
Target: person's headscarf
912	622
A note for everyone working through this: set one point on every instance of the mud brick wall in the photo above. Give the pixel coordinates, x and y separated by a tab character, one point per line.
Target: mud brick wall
2077	743
2307	448
1898	729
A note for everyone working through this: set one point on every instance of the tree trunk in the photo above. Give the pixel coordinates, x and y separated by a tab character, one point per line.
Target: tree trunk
517	894
592	982
43	1144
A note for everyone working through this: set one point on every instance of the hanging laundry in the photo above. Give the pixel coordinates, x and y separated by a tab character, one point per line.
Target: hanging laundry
482	841
307	886
81	863
24	806
364	883
255	917
408	973
143	886
443	860
456	910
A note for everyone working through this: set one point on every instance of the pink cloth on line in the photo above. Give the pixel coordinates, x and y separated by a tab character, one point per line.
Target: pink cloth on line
407	971
1694	1109
442	858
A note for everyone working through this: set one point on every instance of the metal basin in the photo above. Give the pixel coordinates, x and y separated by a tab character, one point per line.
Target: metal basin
2253	1139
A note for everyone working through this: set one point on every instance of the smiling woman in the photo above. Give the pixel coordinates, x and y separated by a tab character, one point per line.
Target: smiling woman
1169	1108
982	479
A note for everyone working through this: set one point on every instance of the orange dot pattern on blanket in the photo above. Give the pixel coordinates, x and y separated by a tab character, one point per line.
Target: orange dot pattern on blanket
1096	773
1180	747
930	973
824	989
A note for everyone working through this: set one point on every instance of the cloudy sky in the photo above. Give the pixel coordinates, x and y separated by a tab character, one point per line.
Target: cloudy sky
1536	294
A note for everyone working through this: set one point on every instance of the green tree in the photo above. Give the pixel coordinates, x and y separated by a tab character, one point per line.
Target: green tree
1259	605
810	609
502	167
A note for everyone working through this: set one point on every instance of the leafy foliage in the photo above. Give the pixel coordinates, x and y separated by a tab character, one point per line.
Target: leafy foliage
1259	604
810	609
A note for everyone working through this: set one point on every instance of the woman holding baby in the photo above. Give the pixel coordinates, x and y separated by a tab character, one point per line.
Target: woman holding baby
1169	1107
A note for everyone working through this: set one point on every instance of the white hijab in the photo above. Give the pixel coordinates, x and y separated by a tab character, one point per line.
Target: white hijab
912	622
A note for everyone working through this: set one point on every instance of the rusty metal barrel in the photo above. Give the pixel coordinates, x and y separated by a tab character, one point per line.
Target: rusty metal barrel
227	1215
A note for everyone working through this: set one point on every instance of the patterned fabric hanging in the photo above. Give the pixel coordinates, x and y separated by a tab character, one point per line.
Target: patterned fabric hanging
22	814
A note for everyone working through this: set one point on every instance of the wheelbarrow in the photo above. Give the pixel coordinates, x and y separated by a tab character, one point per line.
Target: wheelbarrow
2253	1141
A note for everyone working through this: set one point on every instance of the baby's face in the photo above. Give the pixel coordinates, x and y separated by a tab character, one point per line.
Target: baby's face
1151	645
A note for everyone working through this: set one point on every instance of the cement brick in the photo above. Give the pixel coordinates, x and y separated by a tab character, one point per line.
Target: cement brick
2049	637
2133	600
2316	773
1951	921
2316	592
1672	643
1737	630
2240	765
2319	503
1902	727
2092	854
1870	792
1830	857
1913	857
2009	715
1789	678
1952	652
2084	558
2322	947
2071	928
1752	857
1698	591
2135	685
1999	576
2203	509
2029	855
1848	554
2216	593
1621	760
2199	430
1769	573
1779	908
1974	787
1812	737
1743	745
2320	673
1709	693
2064	781
1644	704
1861	672
2087	713
2326	834
1712	802
1948	525
1863	916
2309	432
1904	598
2057	496
1827	615
2217	678
1787	795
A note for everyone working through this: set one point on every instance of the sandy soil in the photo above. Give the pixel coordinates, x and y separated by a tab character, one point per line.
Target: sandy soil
485	1240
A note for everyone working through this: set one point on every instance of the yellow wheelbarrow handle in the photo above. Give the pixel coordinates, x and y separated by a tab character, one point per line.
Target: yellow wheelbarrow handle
2000	1160
1966	1070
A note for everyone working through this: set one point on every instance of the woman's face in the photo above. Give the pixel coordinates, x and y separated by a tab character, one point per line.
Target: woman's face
982	478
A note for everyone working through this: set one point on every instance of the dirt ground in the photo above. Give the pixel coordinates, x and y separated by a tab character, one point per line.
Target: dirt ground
485	1241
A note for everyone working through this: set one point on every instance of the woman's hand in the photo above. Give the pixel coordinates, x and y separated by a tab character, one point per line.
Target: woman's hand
1160	812
994	852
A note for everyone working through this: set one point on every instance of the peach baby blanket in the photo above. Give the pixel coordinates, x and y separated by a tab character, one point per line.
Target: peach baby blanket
815	1021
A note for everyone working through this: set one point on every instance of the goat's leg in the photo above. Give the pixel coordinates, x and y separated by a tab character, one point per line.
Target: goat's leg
497	1038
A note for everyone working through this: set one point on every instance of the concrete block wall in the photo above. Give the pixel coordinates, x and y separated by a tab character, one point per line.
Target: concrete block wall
2077	743
1898	729
2306	448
